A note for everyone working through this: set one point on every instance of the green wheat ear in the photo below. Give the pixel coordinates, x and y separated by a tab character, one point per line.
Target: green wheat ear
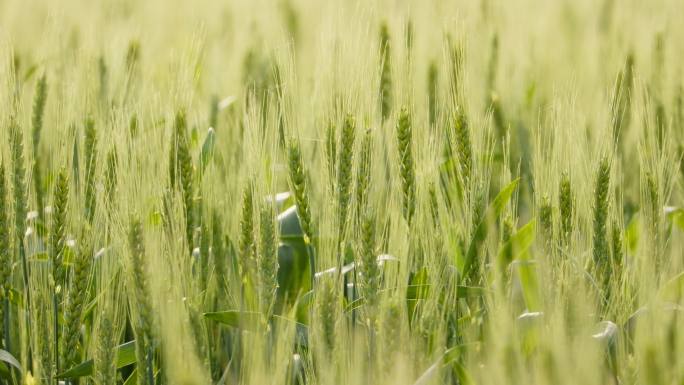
331	152
456	63
132	55
218	250
38	111
5	256
385	73
434	204
498	115
103	87
566	203
344	171
133	124
654	210
268	259
111	173
409	37
622	99
247	239
60	208
508	227
75	304
20	201
181	173
601	253
204	252
105	358
39	98
370	274
678	105
364	173
617	247
142	327
546	220
326	298
406	164
90	147
432	91
493	63
18	180
390	330
298	184
463	149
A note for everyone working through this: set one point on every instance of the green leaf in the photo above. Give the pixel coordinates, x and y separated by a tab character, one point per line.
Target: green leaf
632	234
41	256
462	373
294	272
293	269
289	224
528	281
418	288
422	291
494	210
521	241
11	361
133	378
207	148
243	320
503	197
448	359
125	355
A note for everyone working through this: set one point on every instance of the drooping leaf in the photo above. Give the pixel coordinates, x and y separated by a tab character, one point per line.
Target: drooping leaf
11	361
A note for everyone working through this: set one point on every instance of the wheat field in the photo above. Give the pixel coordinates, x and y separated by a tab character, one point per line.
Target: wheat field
341	192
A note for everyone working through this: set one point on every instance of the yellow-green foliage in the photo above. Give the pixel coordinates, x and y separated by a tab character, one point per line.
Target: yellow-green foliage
306	192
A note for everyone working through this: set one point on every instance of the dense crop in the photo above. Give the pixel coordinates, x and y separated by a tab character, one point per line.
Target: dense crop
342	192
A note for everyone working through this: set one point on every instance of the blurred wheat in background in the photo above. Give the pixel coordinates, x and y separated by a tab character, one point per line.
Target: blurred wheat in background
341	192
